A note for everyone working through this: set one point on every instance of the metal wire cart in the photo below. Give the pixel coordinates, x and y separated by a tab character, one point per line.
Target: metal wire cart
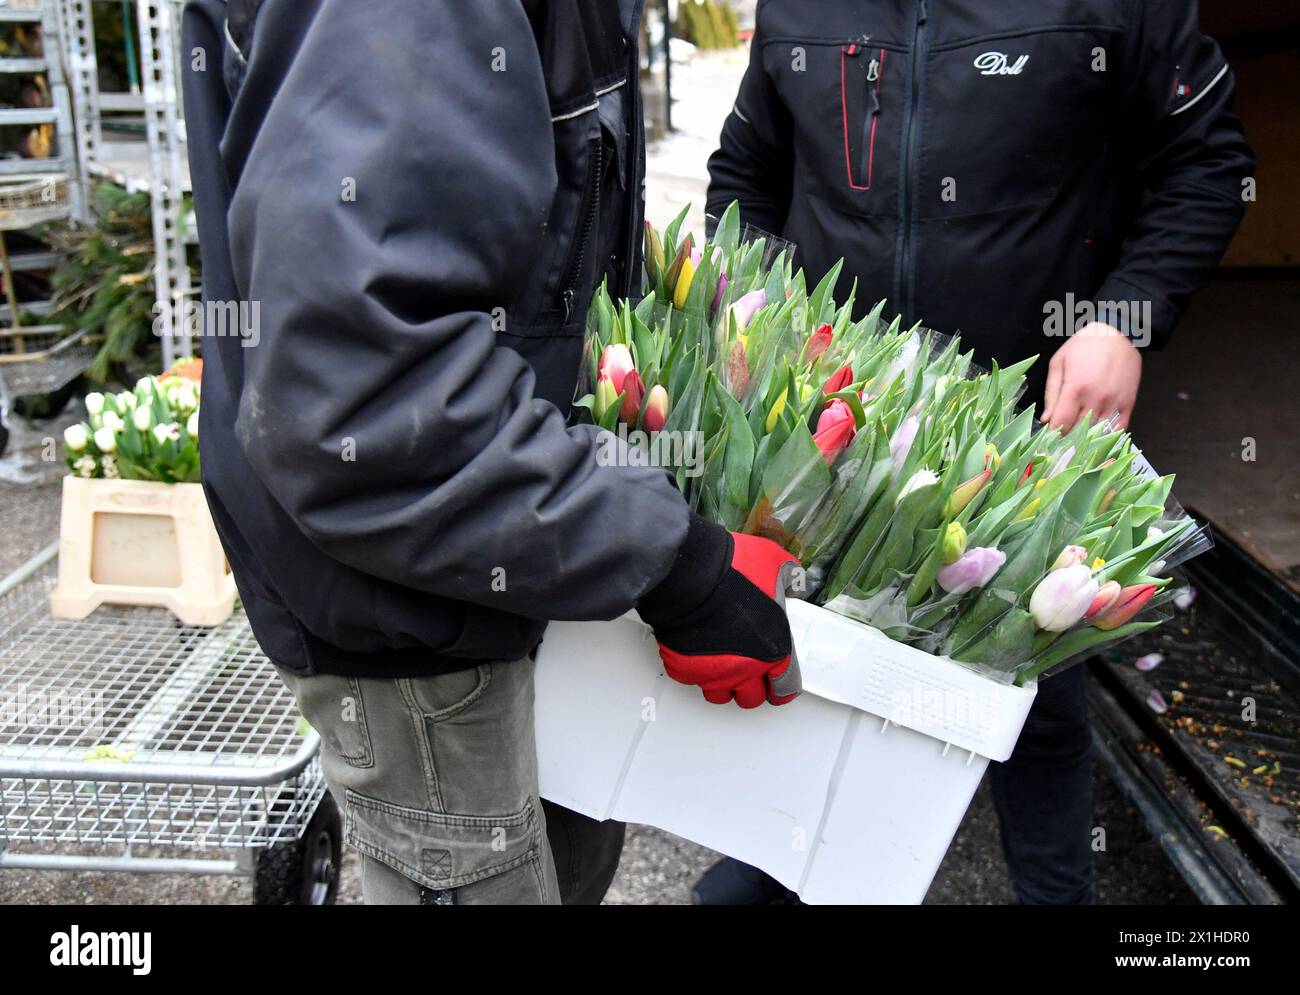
127	735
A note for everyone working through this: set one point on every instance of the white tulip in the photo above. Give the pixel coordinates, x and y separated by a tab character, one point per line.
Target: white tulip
113	421
125	401
94	403
75	437
143	418
170	431
921	478
186	398
105	440
192	426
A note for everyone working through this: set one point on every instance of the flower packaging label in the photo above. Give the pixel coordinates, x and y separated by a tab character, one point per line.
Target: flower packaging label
851	793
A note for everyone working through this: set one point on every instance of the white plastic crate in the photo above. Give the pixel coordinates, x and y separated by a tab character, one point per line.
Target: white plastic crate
851	793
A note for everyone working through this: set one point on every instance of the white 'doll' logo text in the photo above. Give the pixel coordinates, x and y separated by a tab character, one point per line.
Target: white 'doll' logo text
999	64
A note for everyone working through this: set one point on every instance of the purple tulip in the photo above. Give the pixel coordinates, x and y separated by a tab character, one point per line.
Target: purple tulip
722	289
975	569
744	308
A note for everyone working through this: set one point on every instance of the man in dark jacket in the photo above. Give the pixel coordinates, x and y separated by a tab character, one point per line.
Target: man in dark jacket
411	203
983	166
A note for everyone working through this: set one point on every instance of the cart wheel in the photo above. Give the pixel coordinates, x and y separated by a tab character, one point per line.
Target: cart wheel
305	872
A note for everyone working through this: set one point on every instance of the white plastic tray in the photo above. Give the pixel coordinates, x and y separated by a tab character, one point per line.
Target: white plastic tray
851	793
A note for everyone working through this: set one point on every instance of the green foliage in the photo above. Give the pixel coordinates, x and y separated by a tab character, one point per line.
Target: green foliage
708	24
106	283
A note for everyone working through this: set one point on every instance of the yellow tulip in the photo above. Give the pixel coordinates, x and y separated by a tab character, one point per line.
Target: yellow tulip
775	413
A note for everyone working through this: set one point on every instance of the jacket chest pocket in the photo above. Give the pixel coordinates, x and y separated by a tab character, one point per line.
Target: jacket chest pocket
845	99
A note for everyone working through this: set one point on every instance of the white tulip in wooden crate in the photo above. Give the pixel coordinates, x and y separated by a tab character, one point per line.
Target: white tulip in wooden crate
850	793
137	542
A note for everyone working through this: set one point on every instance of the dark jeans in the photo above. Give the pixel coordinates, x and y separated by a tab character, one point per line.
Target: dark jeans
1043	797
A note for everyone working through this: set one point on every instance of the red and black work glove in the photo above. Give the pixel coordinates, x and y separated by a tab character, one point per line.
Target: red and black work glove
719	617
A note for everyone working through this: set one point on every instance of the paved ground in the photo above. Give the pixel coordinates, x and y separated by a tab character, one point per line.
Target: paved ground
657	868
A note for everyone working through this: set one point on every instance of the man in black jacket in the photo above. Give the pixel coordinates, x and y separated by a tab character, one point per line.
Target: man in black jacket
983	166
410	203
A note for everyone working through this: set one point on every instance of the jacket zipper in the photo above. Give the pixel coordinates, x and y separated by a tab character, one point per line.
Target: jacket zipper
591	190
909	160
869	120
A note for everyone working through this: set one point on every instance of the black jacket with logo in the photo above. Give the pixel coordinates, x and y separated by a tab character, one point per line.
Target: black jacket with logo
982	165
417	198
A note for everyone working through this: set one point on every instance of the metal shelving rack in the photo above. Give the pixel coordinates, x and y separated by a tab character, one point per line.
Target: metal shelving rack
37	359
157	165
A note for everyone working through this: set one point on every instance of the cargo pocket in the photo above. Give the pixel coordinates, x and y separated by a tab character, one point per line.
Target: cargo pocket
335	708
444	851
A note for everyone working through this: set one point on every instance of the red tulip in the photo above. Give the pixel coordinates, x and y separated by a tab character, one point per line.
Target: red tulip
840	379
1029	472
818	342
615	365
835	430
1131	600
633	395
656	409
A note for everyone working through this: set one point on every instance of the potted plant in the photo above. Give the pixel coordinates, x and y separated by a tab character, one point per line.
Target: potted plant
135	526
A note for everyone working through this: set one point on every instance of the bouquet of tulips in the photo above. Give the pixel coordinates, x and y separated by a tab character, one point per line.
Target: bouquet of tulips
148	433
917	497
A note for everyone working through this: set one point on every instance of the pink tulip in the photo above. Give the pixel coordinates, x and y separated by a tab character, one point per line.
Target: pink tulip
656	409
818	342
743	310
1061	598
615	365
840	379
835	430
1131	600
696	256
975	568
633	395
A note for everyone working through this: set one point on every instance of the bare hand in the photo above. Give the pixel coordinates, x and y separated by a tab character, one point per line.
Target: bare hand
1097	370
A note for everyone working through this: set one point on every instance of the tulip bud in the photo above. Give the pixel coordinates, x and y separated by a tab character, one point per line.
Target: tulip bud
818	342
615	364
168	432
991	455
965	493
142	417
743	310
1070	556
719	293
954	542
921	478
900	443
835	430
105	440
113	421
975	568
683	286
1106	596
94	403
75	438
737	370
654	252
1029	471
839	380
1061	598
633	395
675	267
192	426
1107	501
606	395
1130	601
775	413
656	409
125	401
1028	511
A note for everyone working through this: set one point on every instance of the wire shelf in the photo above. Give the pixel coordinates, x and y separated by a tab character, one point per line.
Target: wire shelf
129	727
39	359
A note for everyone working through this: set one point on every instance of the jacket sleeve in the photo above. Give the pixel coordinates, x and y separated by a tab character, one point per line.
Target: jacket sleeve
1191	154
395	194
754	162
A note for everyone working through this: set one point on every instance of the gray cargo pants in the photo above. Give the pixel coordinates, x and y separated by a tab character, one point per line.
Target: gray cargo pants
437	779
